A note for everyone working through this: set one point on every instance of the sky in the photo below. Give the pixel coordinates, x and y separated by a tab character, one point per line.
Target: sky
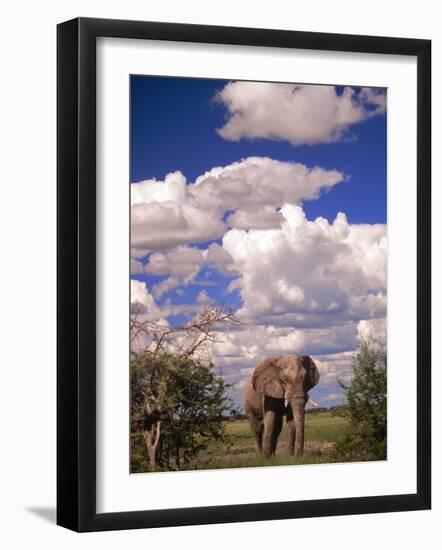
268	198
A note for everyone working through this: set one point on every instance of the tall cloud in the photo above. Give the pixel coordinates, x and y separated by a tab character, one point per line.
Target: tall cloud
298	114
310	273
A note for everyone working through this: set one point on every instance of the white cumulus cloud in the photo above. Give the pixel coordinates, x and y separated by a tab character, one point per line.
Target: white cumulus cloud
261	182
310	272
374	331
142	301
296	113
183	261
164	215
160	225
261	217
169	213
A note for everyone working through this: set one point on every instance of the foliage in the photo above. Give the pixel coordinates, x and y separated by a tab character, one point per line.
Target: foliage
188	399
177	402
366	406
317	410
336	410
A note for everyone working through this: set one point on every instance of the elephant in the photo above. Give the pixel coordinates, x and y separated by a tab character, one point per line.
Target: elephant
279	386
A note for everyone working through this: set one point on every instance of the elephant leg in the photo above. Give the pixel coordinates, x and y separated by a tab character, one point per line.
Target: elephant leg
291	436
276	431
269	430
257	427
291	430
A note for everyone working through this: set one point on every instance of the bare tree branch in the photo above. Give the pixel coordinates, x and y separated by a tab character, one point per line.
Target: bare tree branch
187	339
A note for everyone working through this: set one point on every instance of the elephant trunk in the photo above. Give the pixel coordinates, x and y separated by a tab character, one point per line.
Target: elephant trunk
298	407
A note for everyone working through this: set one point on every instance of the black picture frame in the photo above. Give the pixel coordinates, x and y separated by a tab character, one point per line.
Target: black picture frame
76	274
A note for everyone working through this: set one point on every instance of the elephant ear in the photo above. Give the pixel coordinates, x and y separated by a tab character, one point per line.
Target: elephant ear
311	378
266	379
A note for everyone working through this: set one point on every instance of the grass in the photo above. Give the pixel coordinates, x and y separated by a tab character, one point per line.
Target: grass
322	431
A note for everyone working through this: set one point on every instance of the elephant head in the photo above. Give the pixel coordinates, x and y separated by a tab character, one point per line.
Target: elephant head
288	377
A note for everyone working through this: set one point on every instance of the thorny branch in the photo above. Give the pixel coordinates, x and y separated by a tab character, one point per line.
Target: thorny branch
187	339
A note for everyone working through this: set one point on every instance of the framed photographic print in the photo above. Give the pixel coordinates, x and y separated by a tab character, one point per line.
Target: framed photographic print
243	248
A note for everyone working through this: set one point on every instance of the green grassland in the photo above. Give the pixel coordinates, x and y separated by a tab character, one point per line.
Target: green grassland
322	431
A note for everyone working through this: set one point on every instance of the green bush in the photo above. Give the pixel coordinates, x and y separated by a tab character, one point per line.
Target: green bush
365	407
187	397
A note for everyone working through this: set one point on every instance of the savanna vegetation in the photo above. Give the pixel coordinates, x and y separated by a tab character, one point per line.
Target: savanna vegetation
365	407
178	403
237	447
177	410
181	417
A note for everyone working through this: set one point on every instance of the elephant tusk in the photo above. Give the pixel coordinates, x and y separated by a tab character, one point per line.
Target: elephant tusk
311	402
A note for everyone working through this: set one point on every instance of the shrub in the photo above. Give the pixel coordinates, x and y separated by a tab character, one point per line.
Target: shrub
366	407
183	399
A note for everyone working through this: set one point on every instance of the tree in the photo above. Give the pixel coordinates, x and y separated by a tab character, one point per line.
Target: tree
366	406
176	399
178	403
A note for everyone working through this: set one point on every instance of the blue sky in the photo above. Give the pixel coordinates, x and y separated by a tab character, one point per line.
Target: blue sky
173	123
175	126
